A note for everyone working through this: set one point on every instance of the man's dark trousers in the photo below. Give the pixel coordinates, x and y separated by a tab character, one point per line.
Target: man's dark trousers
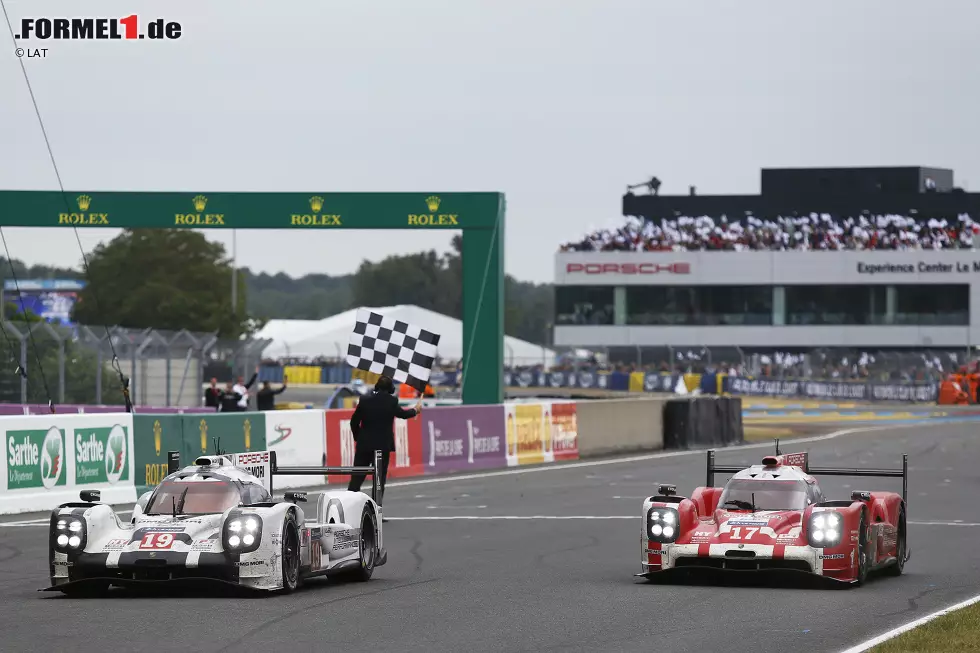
365	458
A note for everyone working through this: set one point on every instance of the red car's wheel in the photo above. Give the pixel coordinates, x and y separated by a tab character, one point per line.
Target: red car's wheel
863	562
901	548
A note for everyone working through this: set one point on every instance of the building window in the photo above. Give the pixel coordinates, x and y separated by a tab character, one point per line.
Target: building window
829	305
699	305
584	305
932	305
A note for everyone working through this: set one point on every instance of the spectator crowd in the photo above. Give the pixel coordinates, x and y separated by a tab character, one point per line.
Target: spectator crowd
810	232
234	397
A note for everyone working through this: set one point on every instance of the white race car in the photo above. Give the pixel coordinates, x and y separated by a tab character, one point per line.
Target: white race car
216	520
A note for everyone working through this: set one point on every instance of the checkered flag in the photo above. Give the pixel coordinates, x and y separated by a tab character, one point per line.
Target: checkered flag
403	351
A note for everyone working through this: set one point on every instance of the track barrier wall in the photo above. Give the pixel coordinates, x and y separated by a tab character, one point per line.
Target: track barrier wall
620	426
49	458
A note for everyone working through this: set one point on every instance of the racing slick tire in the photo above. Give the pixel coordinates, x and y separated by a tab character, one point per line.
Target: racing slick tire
901	547
290	554
863	562
368	547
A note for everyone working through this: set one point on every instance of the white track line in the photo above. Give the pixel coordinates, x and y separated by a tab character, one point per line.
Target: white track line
871	643
649	456
511	517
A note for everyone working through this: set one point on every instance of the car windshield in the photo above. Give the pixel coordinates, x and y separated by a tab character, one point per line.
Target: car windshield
193	497
768	495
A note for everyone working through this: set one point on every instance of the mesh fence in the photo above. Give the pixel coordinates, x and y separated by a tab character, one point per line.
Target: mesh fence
74	365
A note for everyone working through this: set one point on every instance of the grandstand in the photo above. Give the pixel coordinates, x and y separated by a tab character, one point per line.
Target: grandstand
855	260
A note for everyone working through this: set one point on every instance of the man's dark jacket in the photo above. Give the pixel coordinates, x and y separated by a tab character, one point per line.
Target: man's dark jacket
265	399
212	397
228	402
373	421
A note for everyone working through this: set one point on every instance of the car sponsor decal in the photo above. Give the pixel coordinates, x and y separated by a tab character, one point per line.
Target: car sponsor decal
157	541
158	529
655	552
250	563
748	522
316	556
115	545
345	539
203	545
832	556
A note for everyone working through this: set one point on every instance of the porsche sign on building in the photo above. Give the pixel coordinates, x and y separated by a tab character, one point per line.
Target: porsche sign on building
767	299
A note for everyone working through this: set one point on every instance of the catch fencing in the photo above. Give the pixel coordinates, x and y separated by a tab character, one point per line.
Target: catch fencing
74	365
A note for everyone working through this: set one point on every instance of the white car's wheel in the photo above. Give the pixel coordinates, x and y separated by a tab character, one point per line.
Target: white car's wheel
290	554
368	548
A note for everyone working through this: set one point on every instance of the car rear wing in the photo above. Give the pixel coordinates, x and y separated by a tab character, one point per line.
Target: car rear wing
273	469
373	471
902	473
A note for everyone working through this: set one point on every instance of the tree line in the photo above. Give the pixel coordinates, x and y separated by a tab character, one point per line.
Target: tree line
176	279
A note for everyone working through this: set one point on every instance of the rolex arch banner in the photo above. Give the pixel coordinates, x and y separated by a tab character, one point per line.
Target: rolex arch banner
48	459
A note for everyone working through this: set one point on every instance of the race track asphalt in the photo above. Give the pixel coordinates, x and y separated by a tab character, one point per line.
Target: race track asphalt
555	581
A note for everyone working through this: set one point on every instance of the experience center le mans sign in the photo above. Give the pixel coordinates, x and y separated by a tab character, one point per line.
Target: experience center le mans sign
748	268
166	210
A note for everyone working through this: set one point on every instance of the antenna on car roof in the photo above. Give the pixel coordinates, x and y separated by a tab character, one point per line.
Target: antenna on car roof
777	446
217	445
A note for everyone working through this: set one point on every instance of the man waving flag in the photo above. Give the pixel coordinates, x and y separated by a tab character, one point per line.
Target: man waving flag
390	350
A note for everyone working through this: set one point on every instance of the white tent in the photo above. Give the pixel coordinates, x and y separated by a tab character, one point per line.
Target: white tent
328	337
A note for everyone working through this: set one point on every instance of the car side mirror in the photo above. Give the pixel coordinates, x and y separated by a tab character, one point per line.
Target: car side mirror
143	500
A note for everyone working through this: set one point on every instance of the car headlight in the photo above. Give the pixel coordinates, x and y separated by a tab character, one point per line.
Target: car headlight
825	529
242	533
68	533
663	524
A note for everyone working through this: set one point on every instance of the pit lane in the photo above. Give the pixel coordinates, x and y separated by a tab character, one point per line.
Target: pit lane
543	560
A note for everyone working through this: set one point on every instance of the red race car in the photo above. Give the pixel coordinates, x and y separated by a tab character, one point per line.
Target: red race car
774	517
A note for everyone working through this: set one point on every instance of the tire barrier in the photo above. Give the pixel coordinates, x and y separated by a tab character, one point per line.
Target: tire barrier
701	422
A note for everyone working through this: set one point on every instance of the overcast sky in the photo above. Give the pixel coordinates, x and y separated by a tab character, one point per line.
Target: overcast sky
557	103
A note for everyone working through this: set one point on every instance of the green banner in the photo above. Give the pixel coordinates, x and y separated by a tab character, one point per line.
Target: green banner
36	458
153	437
235	433
100	454
194	210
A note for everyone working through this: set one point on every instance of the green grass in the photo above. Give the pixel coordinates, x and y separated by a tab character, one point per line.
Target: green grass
950	633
